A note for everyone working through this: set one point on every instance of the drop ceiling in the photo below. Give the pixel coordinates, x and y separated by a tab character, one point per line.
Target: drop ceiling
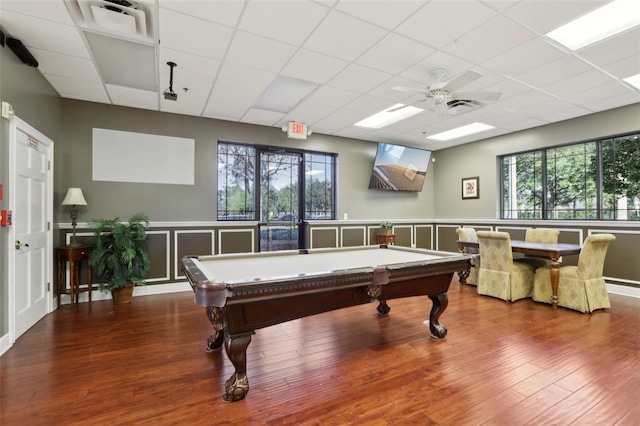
231	54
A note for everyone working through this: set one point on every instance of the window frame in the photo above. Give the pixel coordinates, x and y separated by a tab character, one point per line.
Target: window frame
504	183
258	149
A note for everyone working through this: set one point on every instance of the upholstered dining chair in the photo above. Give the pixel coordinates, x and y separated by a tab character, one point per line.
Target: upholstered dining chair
499	276
538	235
469	234
580	287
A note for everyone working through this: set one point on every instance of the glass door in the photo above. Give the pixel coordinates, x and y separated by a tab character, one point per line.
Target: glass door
280	212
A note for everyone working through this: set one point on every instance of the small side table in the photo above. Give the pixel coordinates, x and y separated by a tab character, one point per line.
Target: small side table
73	255
386	238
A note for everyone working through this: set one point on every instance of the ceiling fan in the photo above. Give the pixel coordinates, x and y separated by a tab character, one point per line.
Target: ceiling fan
443	97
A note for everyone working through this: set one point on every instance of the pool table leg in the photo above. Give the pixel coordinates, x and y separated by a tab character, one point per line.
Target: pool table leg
440	302
215	341
383	308
237	387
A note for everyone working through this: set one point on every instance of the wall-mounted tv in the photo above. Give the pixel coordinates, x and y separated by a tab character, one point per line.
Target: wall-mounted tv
399	168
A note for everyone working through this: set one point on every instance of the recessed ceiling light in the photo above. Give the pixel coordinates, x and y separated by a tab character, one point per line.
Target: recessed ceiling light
610	19
469	129
634	80
388	116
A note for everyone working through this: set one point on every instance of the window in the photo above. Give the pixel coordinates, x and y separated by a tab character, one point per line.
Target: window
236	182
289	186
589	180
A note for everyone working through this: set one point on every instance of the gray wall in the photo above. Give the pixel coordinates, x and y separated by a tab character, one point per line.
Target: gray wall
480	159
35	102
197	202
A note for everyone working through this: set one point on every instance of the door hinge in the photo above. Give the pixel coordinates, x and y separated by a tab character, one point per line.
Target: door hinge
48	226
49	165
48	286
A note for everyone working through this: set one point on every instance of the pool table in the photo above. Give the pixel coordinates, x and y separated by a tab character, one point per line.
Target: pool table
245	292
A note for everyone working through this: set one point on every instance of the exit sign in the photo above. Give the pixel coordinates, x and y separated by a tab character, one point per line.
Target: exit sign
297	130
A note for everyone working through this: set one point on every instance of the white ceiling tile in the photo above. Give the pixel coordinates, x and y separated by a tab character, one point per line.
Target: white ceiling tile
226	12
45	35
564	114
193	35
344	37
558	70
259	52
441	22
613	49
577	83
525	100
368	104
613	101
86	89
312	66
272	19
543	16
385	13
134	98
595	94
265	118
54	11
359	79
309	112
234	97
332	96
421	72
624	68
188	66
529	55
488	40
240	77
66	66
395	53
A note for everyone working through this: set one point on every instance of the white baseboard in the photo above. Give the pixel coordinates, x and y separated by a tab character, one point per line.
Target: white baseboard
5	343
623	290
145	290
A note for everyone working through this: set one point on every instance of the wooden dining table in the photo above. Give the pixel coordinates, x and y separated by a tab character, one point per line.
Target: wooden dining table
547	250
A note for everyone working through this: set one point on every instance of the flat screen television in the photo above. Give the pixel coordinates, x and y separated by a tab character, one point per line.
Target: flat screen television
399	168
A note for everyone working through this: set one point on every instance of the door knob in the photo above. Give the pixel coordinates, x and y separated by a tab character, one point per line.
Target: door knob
19	244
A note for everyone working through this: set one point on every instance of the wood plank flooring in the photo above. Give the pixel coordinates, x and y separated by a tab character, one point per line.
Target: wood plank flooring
501	364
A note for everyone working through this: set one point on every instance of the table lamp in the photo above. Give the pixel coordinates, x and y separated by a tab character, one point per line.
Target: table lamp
74	199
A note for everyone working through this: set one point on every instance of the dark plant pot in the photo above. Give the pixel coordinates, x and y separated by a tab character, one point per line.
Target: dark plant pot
122	295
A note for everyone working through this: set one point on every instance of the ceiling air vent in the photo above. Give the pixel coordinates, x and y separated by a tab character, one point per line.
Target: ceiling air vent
121	18
460	106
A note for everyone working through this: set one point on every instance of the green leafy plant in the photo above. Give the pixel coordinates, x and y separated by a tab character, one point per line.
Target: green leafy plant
386	225
120	253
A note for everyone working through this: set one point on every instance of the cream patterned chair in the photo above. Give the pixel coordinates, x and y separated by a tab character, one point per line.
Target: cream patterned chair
499	276
580	287
538	235
469	234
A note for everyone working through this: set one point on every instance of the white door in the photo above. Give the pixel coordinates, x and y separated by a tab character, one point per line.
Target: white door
30	259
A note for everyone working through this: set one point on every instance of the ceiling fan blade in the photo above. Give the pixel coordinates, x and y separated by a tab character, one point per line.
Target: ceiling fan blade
462	80
407	89
479	96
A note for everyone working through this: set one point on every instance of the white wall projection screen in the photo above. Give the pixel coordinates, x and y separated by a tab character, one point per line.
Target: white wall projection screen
137	157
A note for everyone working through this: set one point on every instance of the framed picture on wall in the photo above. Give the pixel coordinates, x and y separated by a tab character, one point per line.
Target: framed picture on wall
470	188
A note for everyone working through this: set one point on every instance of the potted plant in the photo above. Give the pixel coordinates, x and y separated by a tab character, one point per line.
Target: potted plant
120	255
385	228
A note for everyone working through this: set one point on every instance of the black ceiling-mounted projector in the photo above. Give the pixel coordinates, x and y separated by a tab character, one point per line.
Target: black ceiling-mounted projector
169	94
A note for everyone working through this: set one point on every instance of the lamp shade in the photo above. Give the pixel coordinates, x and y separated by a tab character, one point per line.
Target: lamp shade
74	197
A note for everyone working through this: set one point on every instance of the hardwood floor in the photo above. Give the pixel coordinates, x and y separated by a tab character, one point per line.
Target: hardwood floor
501	364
